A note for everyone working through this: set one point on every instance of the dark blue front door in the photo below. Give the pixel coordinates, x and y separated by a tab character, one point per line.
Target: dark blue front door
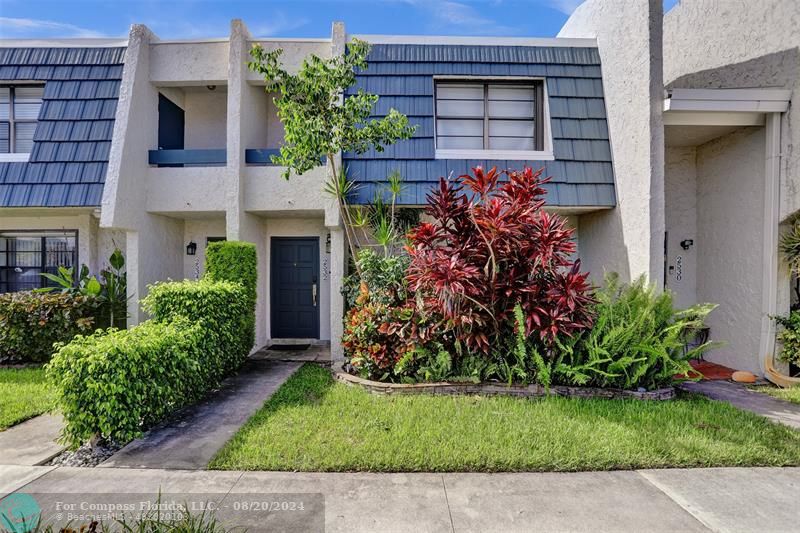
295	288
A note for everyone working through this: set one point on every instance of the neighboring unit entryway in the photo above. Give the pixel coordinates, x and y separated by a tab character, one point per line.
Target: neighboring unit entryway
294	281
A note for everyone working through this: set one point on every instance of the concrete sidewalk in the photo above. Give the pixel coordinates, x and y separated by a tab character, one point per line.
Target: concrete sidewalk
738	395
33	442
718	499
192	436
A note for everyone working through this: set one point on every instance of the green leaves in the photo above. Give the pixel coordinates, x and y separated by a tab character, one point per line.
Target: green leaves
317	122
789	337
31	322
117	383
638	339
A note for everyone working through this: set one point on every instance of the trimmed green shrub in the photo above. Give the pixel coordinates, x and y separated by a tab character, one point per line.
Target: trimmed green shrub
236	261
221	307
117	384
233	261
31	322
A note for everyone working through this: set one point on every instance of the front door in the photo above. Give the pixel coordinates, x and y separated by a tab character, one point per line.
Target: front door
295	288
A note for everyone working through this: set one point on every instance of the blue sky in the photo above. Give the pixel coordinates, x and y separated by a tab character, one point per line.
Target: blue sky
185	19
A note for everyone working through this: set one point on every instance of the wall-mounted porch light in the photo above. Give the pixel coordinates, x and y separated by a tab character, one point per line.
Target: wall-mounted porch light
191	248
687	243
328	244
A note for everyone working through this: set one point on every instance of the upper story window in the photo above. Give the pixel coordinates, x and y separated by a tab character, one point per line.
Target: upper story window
19	109
491	118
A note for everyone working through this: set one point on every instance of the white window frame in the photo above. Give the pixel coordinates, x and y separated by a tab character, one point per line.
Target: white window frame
546	154
11	156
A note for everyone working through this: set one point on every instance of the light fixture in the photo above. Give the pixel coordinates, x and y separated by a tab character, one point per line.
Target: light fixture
191	248
328	244
211	87
687	243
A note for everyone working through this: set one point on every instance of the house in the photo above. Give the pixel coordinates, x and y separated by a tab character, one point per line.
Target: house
661	159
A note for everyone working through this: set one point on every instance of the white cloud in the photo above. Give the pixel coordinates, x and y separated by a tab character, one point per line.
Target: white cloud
461	16
278	23
33	28
272	25
565	6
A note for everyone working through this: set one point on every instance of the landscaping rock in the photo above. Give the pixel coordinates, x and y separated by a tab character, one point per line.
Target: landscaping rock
742	376
500	389
85	456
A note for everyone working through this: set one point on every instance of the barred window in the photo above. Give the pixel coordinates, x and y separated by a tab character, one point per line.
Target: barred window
24	255
490	115
19	110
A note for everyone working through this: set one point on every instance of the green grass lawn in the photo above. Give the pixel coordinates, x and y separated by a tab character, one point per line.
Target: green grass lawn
791	394
24	393
314	424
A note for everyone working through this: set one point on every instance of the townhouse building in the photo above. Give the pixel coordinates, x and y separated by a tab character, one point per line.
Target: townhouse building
670	161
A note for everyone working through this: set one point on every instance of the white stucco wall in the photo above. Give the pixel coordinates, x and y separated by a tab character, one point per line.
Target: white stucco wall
198	231
628	239
205	118
191	61
733	44
730	200
680	174
275	131
154	253
162	209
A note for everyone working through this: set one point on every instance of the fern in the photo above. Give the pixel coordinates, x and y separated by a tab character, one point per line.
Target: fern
638	339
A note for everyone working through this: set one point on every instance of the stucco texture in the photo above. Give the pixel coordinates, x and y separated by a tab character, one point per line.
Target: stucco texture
681	223
741	44
730	207
629	238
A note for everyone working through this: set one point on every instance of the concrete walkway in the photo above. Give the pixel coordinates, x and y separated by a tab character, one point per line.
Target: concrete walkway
195	434
718	499
32	442
740	396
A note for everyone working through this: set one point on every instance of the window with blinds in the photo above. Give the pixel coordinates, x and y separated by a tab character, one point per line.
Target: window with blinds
19	110
490	115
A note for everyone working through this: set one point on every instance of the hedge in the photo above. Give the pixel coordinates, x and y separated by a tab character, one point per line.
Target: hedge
31	322
118	384
236	261
222	308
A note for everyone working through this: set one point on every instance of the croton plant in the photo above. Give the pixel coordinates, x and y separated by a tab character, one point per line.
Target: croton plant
490	246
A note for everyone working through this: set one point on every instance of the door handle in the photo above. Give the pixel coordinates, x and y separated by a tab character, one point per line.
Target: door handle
314	294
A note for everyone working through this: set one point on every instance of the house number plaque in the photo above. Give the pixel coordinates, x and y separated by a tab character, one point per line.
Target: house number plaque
678	268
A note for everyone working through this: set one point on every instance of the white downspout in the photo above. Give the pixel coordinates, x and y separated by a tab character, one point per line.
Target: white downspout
769	295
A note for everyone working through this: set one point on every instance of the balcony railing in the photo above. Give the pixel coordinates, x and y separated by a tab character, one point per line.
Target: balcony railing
260	156
263	156
199	158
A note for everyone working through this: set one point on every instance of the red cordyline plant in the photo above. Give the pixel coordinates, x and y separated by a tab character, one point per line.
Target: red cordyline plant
491	246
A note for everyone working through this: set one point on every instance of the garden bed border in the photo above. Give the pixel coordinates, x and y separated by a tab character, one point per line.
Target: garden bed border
500	389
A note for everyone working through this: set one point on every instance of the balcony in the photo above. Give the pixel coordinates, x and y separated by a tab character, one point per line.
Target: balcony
193	157
192	127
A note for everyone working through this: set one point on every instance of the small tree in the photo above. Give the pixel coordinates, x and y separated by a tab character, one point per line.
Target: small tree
319	123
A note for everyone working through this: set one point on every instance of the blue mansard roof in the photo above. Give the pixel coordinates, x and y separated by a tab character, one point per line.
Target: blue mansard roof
67	167
403	76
